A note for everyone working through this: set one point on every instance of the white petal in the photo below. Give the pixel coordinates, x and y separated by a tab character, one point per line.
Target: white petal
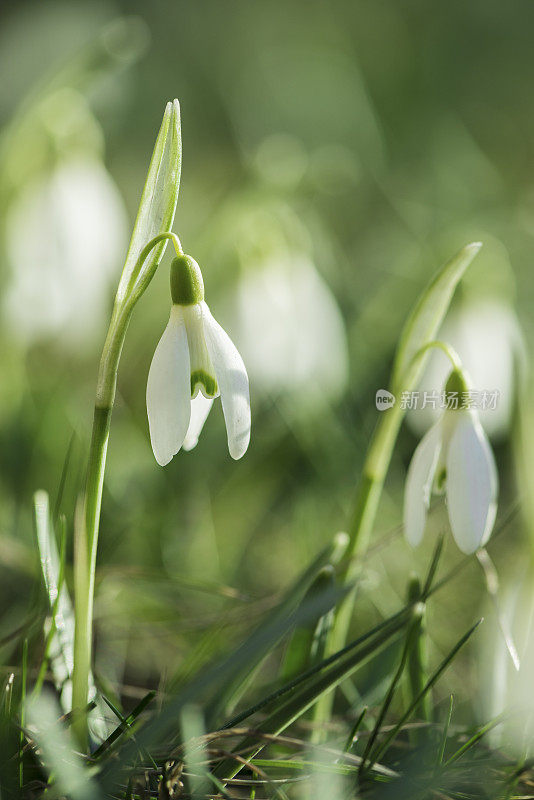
233	384
168	391
200	408
472	484
419	484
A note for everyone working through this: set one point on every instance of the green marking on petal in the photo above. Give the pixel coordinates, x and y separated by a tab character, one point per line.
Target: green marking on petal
200	377
440	481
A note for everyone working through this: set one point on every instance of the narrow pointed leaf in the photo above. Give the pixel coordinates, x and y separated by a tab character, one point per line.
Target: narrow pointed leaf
391	691
426	318
443	745
306	646
158	202
383	746
475	738
59	647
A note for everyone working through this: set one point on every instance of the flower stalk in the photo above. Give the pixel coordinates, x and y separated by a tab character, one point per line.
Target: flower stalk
368	496
417	660
150	235
89	520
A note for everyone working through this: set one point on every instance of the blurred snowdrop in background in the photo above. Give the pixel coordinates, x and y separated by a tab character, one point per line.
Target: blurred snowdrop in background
508	686
64	224
65	234
291	330
288	324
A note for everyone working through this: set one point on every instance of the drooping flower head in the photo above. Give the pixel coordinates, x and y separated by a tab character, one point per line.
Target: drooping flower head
195	362
454	457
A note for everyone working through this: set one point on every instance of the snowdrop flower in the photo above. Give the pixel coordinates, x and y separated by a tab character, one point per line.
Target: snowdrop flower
453	457
195	362
303	347
55	256
507	684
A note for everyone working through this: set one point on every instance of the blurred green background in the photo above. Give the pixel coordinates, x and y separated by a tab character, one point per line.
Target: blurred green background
334	155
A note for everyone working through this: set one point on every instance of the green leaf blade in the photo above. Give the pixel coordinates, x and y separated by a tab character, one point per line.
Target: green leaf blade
427	316
158	202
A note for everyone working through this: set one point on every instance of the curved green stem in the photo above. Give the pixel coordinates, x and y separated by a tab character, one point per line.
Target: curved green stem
368	496
449	351
88	520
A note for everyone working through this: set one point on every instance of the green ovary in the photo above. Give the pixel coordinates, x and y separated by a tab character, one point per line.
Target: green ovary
200	378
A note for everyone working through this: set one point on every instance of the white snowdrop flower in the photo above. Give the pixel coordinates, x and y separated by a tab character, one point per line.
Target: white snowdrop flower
453	457
65	233
195	362
302	351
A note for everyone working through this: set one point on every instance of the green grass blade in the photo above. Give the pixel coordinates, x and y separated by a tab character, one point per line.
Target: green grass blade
22	711
59	647
306	645
443	745
390	693
353	735
299	702
195	756
52	632
125	723
475	738
396	622
417	657
301	765
433	568
382	747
